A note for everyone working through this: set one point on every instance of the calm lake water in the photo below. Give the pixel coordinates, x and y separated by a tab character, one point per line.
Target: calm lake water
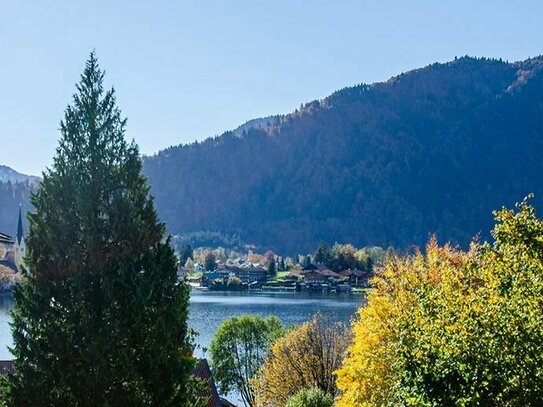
208	309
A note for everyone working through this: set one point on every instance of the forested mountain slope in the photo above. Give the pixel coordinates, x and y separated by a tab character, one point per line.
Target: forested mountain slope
434	150
11	196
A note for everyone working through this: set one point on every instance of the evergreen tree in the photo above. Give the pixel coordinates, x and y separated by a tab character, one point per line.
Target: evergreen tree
282	264
185	253
99	318
295	260
210	262
272	268
323	254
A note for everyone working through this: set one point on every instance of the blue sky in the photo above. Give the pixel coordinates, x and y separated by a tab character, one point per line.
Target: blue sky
187	70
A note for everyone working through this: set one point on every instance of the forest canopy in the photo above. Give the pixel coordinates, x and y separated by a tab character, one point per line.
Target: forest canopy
449	327
433	150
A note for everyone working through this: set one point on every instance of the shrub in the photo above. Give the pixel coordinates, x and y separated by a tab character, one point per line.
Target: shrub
310	398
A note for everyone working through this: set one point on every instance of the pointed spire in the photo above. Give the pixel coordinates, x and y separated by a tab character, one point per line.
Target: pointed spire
20	226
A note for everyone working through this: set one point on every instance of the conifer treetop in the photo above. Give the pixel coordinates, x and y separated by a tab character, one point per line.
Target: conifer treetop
93	206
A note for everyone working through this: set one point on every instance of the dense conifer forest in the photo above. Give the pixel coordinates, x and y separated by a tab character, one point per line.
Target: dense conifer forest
433	150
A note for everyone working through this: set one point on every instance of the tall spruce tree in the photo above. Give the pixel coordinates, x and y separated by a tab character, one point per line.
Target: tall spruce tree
99	318
323	254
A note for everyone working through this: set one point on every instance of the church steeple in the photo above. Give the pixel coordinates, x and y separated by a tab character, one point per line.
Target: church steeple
20	226
20	246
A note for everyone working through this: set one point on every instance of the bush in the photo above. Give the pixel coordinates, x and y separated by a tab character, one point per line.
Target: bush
310	398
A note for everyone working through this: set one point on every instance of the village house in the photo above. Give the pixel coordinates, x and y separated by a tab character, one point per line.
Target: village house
209	276
356	278
203	372
5	241
249	274
6	253
318	273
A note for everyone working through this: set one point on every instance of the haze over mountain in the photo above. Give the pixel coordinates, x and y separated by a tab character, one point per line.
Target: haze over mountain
433	150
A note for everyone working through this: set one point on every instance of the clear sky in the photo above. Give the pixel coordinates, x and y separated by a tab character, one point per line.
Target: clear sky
187	70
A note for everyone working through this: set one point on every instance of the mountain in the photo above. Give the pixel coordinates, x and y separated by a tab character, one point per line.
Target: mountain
261	124
8	174
433	150
13	193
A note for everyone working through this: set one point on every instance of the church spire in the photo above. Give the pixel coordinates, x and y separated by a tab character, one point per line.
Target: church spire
20	226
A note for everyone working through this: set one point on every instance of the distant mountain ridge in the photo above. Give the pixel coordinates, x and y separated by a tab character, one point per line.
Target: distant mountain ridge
433	150
261	124
8	174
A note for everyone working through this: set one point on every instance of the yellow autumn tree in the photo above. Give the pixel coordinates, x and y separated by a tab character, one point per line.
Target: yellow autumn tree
454	328
306	358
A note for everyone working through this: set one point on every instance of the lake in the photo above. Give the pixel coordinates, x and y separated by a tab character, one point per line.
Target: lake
209	308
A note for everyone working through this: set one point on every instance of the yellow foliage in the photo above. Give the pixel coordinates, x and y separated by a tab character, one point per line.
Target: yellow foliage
367	377
304	359
454	328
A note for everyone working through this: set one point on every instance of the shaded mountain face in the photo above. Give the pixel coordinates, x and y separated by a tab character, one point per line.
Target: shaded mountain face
15	190
11	196
433	150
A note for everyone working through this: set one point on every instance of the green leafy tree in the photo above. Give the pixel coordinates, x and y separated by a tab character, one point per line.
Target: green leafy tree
453	328
346	256
239	348
189	265
310	398
98	318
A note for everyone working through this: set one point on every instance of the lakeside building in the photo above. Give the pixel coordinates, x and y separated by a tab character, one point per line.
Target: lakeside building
318	273
6	240
356	278
202	371
249	274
